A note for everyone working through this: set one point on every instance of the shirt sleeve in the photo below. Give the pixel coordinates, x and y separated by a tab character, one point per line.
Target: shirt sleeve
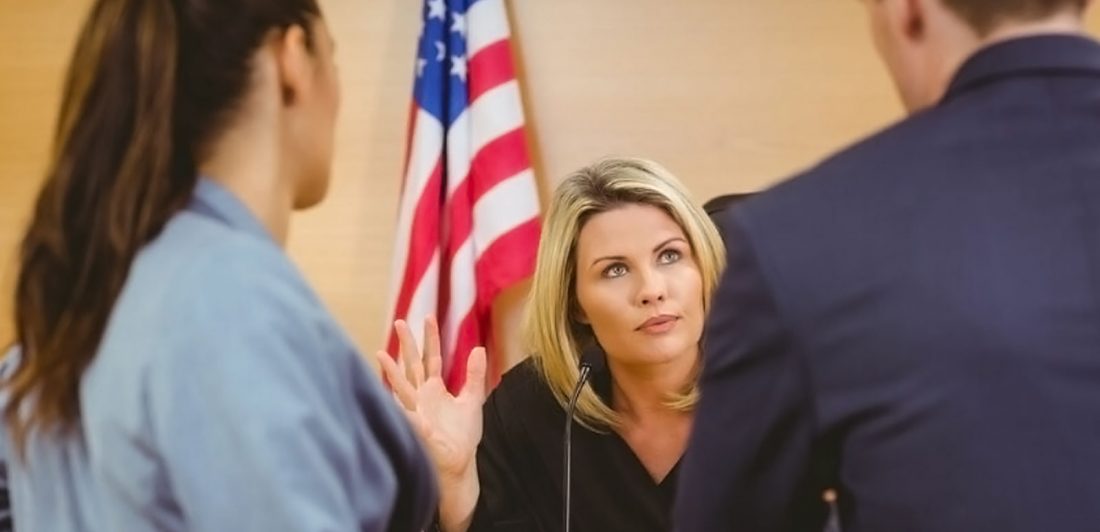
749	464
254	421
503	505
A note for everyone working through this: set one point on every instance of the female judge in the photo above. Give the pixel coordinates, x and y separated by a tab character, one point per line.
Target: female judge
626	263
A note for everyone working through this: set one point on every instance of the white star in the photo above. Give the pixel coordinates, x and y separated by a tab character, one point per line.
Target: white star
437	9
459	24
458	66
440	51
420	64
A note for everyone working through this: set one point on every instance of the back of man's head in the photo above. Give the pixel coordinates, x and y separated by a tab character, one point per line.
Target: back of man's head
924	42
984	16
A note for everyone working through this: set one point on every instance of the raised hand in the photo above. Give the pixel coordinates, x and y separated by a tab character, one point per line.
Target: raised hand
450	425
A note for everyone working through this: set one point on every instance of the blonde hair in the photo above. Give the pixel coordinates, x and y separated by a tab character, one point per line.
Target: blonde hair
552	333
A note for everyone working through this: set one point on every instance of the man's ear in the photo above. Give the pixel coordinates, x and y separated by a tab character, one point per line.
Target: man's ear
906	19
913	18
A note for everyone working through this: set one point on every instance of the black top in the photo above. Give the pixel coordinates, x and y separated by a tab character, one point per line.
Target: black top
520	467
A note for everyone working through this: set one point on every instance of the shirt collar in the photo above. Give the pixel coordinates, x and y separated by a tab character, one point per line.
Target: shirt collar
213	200
1038	55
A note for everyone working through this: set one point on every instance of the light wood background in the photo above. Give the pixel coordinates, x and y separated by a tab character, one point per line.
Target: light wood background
732	95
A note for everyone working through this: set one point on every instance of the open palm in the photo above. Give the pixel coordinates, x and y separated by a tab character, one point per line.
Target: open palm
449	425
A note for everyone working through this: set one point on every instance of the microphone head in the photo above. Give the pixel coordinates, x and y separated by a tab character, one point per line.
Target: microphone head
593	357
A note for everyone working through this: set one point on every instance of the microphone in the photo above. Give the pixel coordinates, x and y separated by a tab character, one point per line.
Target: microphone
592	360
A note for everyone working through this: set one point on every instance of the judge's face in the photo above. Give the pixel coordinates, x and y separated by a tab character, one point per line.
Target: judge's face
639	287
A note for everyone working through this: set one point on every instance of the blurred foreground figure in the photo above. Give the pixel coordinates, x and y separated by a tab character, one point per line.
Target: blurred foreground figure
174	370
916	321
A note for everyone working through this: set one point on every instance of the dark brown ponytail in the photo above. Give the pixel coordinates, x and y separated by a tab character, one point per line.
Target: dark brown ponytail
149	84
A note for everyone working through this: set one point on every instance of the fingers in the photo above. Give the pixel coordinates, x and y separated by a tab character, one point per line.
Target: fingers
433	358
394	370
410	354
475	374
402	389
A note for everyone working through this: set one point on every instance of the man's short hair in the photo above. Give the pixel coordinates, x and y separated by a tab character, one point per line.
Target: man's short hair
985	15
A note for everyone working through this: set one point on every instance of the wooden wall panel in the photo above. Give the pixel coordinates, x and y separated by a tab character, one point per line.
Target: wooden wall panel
732	95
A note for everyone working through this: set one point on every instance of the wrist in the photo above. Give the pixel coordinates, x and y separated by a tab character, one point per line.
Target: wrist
459	493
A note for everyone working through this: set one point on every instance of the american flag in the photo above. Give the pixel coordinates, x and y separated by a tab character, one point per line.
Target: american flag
468	224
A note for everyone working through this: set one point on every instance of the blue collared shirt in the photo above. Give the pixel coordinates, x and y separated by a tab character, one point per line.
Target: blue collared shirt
224	398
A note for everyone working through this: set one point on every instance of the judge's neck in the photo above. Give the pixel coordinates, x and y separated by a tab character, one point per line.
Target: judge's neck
642	391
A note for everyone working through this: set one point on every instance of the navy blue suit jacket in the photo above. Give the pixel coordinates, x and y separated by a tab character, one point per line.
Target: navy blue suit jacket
916	321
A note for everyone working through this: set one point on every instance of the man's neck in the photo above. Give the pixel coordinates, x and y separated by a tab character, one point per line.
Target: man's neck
961	45
1066	22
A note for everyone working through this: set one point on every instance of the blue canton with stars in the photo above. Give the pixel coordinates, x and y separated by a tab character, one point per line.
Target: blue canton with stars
441	87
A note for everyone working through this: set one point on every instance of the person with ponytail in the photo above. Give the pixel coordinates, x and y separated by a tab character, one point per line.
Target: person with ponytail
174	371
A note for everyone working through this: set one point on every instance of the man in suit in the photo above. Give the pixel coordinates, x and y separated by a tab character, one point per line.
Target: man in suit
915	323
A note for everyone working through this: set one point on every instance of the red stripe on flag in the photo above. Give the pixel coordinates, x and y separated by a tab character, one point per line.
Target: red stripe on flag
509	259
490	67
499	160
423	244
469	337
459	216
503	157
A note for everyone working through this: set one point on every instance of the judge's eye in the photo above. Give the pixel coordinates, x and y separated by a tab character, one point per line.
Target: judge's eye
669	256
615	270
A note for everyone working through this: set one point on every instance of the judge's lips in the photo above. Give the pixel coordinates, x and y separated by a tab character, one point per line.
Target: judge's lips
658	324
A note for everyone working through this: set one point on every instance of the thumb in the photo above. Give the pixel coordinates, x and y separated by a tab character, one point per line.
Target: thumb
475	374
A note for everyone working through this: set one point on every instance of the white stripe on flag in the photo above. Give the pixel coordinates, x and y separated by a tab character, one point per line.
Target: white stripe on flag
424	151
423	301
463	293
500	210
486	23
505	206
458	151
495	113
